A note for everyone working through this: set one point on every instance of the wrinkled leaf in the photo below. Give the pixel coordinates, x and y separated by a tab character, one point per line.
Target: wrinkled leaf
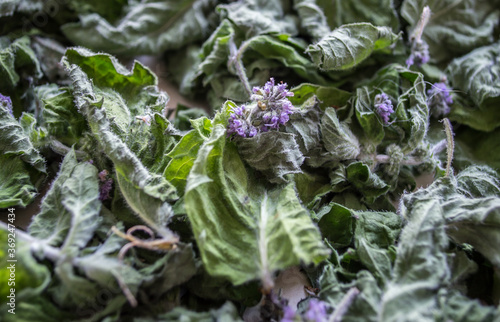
477	74
276	154
272	229
148	27
455	26
348	45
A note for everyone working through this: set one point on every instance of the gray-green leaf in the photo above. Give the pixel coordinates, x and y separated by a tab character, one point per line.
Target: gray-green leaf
348	45
269	228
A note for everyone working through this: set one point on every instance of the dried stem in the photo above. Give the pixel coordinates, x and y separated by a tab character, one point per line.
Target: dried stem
450	144
422	22
235	58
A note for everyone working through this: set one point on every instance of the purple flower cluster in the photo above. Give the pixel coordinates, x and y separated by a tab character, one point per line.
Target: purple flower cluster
439	99
269	109
7	103
106	185
316	311
240	124
384	106
419	54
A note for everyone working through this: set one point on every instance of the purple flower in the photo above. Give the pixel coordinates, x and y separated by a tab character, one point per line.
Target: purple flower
316	311
103	175
239	123
106	185
7	103
105	189
270	109
384	107
288	314
419	54
439	99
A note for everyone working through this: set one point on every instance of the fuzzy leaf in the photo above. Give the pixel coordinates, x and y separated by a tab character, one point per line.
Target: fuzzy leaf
257	17
366	182
477	74
338	138
337	225
183	156
15	142
16	188
81	200
145	193
407	92
146	28
53	221
420	267
276	154
455	27
269	228
312	18
348	45
60	116
341	12
375	232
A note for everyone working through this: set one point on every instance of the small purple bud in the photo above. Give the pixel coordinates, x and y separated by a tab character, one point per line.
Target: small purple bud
384	107
7	103
103	175
419	54
252	132
439	99
105	189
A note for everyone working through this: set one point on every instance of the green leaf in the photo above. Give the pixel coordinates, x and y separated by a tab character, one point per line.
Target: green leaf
283	50
478	181
275	154
457	307
312	18
366	182
311	188
336	224
375	232
145	193
475	222
61	118
338	138
227	312
81	200
16	143
259	17
304	125
270	228
476	74
348	45
341	12
183	156
16	188
13	59
365	307
173	269
53	221
326	95
421	264
410	119
447	38
136	87
475	146
146	28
